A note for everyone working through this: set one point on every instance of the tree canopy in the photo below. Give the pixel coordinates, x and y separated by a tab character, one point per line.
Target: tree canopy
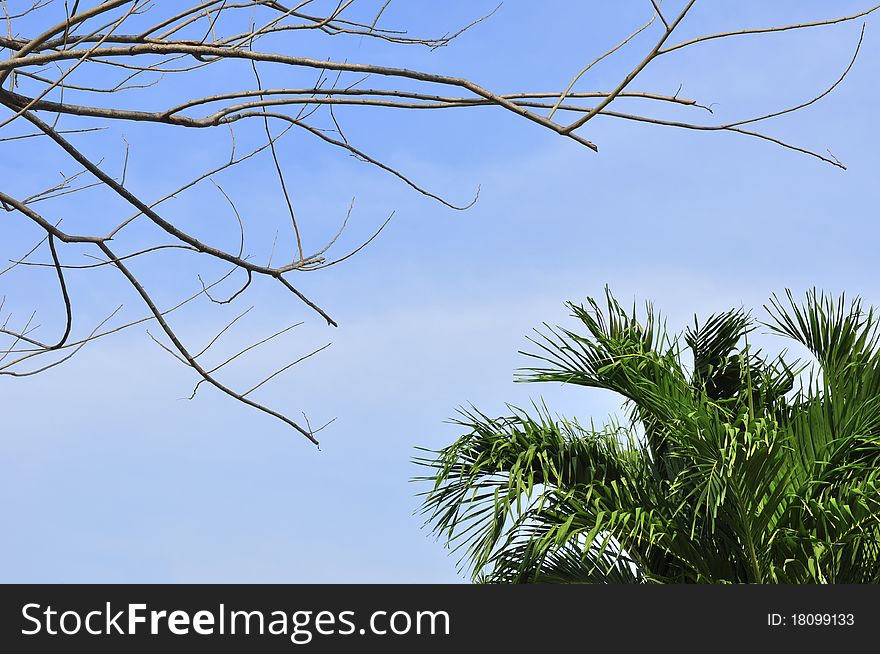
730	465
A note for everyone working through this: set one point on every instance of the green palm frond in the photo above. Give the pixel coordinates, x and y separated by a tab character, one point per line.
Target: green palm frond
739	468
714	345
484	479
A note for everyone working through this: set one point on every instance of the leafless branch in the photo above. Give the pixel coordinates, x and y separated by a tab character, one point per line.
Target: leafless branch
72	72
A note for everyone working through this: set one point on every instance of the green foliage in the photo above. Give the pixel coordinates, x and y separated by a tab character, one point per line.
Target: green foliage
738	468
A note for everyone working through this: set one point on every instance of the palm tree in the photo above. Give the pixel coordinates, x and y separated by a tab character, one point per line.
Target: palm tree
740	468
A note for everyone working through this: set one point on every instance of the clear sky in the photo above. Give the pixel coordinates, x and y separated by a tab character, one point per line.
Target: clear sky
107	476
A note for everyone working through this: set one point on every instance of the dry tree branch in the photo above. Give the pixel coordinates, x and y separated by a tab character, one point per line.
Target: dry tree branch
88	68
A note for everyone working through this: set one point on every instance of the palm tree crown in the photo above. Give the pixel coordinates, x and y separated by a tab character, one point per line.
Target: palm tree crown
735	468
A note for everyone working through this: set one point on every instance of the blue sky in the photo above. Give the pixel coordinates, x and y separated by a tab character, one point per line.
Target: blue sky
106	476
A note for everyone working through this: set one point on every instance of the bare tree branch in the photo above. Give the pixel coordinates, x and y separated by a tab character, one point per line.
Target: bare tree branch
73	73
